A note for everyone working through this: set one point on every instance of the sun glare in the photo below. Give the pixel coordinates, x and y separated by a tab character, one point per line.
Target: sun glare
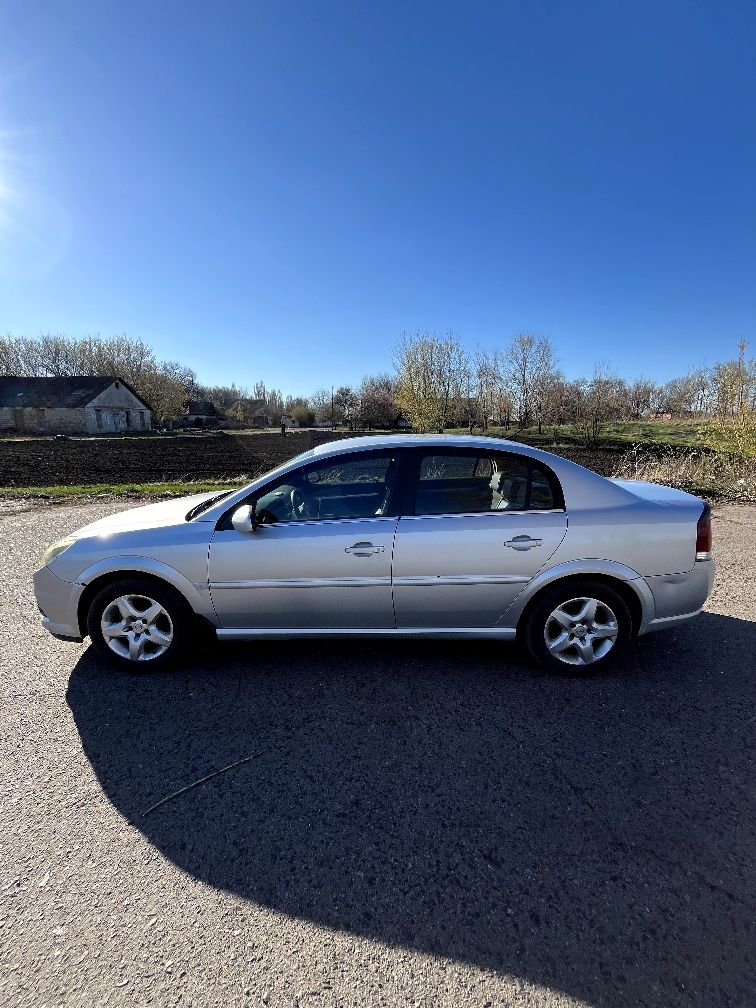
6	189
34	227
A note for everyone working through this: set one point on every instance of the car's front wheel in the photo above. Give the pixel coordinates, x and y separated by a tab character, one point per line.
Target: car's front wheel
139	624
578	628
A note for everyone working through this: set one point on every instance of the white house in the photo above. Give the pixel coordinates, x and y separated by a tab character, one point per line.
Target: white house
78	404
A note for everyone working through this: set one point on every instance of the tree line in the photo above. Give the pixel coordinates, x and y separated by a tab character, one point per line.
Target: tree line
440	384
436	384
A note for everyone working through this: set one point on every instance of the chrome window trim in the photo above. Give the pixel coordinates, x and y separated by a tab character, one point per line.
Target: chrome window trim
480	514
320	521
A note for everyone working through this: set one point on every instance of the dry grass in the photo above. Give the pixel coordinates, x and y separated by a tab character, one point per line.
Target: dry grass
728	475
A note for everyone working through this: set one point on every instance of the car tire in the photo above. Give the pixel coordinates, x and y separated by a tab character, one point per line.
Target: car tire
139	624
579	628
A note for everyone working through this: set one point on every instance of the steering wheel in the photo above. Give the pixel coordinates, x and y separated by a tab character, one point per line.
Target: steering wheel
298	503
266	517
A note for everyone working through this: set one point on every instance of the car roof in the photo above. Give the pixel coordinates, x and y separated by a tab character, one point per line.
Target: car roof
414	441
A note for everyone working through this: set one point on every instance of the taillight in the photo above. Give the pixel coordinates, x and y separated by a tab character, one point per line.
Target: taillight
703	535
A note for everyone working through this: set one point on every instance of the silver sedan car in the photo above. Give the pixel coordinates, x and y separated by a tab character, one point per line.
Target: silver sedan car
416	536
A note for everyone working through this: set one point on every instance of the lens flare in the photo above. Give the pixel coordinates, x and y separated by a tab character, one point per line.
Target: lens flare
34	226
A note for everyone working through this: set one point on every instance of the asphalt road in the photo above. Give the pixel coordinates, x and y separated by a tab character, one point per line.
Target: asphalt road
434	824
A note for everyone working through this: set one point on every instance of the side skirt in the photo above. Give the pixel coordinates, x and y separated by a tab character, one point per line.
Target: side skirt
461	633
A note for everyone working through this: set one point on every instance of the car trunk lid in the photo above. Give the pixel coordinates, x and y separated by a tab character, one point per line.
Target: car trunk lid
659	493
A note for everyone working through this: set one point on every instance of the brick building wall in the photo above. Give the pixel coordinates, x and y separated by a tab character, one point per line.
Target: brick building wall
30	420
113	410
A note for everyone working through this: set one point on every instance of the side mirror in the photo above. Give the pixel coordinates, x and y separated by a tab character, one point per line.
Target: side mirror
243	519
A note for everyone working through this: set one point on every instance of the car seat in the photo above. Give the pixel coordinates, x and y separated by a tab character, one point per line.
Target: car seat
508	492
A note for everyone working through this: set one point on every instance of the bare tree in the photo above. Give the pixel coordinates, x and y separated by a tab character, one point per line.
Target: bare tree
546	377
640	396
734	385
432	371
376	399
164	385
530	365
494	402
604	400
301	413
320	404
678	397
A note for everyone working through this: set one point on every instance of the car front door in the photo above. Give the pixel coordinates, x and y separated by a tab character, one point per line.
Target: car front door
320	557
477	527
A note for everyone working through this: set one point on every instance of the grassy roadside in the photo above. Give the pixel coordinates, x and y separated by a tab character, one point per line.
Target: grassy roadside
61	492
612	436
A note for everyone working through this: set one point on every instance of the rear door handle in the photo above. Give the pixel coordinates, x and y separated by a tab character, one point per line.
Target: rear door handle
523	542
364	549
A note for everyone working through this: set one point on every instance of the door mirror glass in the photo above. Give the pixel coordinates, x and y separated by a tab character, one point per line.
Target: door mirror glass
243	519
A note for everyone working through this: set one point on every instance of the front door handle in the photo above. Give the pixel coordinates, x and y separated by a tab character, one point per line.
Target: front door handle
362	549
523	542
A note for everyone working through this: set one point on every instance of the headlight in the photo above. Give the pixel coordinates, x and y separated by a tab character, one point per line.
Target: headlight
55	550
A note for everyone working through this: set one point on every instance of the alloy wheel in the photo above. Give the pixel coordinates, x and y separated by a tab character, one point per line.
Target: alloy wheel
137	627
581	631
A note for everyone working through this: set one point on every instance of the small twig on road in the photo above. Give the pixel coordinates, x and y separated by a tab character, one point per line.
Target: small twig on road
202	780
217	773
248	759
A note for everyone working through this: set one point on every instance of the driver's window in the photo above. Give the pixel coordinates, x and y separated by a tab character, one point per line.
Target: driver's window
345	487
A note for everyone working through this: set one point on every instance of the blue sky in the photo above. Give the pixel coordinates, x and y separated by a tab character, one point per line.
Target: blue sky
276	190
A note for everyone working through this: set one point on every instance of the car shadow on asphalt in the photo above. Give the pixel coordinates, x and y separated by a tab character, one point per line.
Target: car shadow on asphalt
589	835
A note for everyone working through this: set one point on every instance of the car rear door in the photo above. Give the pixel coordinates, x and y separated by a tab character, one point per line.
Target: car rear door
476	527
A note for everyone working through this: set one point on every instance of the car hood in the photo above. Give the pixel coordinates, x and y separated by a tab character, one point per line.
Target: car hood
657	492
170	512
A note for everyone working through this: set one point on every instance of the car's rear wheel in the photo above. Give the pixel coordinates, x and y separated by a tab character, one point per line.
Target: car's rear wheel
139	624
578	628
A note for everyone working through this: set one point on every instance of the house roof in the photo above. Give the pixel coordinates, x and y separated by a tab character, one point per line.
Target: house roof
202	407
69	392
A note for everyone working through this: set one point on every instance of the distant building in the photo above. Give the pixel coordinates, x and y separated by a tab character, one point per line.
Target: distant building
78	404
201	413
259	415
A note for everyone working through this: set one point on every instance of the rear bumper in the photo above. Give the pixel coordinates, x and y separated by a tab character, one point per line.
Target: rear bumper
679	597
58	602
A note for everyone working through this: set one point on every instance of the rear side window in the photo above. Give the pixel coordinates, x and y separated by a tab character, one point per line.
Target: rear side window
449	466
543	490
467	483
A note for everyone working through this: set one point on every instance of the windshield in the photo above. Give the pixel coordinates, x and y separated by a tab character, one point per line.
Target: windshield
205	505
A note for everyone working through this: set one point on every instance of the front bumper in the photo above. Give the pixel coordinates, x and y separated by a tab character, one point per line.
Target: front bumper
58	602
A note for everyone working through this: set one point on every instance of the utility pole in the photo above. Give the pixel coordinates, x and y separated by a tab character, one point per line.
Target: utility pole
332	423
